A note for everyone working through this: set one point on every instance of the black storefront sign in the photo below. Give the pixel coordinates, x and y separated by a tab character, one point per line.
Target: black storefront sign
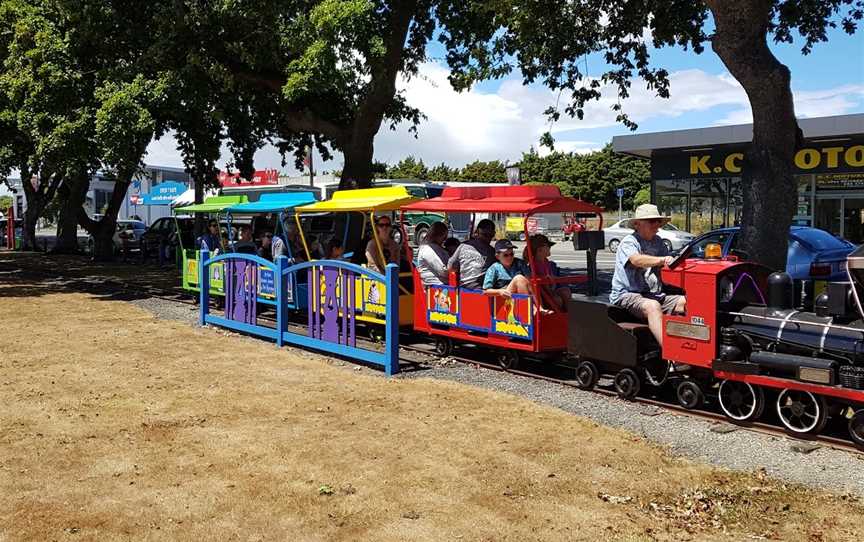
815	157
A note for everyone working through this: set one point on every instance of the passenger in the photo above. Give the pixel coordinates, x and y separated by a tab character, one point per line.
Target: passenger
245	244
507	276
335	250
210	240
473	257
558	296
315	250
636	284
266	250
450	245
389	247
431	256
291	246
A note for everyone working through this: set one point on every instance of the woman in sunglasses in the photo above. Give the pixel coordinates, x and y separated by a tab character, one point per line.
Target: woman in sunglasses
390	248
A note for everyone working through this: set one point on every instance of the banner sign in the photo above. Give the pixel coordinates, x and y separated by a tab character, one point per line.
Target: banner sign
262	177
816	157
162	194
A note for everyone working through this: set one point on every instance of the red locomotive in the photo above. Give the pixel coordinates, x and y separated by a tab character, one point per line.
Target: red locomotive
741	337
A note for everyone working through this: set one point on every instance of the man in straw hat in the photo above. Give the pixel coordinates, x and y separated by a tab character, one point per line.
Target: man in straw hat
636	284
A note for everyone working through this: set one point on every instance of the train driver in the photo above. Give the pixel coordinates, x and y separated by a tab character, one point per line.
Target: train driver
636	284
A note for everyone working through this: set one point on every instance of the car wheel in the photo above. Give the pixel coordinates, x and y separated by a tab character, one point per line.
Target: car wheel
522	236
420	235
668	244
613	245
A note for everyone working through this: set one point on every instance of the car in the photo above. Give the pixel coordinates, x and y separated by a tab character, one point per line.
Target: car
673	238
814	254
163	232
127	234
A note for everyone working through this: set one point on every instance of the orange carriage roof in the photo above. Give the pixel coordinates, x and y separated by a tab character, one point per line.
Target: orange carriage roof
503	199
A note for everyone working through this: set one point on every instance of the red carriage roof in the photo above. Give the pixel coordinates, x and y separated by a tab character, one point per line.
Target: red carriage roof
503	199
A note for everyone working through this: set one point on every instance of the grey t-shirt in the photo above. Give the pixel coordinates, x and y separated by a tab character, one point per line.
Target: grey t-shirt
471	259
628	278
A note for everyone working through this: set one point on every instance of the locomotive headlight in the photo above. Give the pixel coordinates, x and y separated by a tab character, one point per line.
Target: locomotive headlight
713	251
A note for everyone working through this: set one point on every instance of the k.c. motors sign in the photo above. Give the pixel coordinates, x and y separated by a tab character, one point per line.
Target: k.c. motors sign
825	157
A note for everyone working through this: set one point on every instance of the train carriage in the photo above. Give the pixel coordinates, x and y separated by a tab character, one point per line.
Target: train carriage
280	205
364	205
514	326
190	255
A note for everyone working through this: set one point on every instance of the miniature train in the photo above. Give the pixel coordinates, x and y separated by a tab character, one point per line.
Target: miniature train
741	338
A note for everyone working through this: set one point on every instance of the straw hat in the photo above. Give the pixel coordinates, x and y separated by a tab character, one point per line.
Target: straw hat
648	211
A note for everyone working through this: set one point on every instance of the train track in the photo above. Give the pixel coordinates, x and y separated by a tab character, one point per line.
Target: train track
177	295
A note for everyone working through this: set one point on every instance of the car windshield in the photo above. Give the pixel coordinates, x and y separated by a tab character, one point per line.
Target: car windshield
669	227
820	239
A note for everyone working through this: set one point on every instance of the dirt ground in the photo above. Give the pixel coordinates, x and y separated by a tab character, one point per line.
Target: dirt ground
118	426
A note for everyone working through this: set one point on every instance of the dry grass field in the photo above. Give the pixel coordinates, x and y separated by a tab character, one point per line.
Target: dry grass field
118	426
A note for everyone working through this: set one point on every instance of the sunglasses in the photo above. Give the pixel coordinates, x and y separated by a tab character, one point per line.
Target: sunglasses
655	220
508	254
384	224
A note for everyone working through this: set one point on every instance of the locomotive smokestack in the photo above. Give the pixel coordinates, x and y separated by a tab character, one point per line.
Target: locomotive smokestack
780	291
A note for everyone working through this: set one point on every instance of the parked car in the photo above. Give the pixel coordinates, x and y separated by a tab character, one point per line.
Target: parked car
814	254
127	233
673	238
163	232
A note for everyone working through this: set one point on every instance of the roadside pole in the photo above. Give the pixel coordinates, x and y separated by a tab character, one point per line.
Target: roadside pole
620	193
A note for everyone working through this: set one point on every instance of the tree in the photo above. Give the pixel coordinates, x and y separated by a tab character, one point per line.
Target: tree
442	173
408	168
534	40
479	171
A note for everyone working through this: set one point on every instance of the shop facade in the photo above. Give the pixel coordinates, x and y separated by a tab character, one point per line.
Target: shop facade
695	174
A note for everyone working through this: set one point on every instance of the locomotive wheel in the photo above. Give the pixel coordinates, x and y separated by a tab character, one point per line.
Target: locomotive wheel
856	428
443	347
690	394
801	412
740	401
587	375
627	383
508	360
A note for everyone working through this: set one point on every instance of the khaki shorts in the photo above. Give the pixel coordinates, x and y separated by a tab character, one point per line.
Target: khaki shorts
636	303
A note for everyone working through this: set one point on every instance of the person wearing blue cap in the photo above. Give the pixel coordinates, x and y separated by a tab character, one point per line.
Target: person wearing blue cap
508	275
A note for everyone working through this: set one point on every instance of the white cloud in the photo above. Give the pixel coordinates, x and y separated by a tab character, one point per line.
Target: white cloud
501	124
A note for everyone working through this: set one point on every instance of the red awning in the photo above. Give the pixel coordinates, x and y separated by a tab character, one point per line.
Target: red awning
503	199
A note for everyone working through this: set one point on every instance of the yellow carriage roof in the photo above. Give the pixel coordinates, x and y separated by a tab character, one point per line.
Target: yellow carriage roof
388	198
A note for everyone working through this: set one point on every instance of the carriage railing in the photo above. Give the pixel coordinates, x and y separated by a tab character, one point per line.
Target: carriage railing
337	292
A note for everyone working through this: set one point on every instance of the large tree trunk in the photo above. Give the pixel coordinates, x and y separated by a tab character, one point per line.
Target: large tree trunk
103	230
769	189
357	171
73	194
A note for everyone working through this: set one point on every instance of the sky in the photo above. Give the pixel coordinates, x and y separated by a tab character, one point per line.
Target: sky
501	119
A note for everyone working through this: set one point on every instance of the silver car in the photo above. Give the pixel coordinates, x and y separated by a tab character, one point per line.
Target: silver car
673	238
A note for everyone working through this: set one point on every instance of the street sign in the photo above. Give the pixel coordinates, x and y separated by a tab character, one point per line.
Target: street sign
620	192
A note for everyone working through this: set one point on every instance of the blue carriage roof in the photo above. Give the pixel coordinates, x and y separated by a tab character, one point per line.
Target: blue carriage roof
274	202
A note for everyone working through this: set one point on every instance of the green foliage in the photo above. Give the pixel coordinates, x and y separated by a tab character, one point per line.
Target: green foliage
5	203
479	171
408	168
642	196
442	173
592	177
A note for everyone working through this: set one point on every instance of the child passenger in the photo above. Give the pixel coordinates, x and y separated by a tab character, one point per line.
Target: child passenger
508	275
558	296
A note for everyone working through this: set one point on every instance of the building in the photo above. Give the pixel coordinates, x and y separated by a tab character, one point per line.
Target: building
144	199
695	174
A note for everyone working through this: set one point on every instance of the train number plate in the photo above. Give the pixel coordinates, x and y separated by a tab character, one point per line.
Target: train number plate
688	331
697	320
